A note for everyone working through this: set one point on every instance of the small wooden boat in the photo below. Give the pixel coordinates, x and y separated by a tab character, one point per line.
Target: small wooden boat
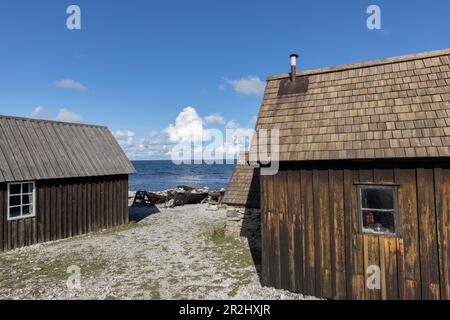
145	198
194	197
189	195
156	198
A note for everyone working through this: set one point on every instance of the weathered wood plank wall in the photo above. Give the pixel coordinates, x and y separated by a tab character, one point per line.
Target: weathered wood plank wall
66	208
311	234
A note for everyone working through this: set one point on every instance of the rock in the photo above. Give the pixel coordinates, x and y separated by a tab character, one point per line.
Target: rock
232	214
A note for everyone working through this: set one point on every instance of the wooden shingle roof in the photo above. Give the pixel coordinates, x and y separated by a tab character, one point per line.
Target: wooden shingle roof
390	108
243	189
40	149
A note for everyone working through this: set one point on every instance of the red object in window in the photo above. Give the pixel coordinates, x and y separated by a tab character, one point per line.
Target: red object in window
370	220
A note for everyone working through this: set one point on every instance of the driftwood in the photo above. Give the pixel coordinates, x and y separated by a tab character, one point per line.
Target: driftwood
144	198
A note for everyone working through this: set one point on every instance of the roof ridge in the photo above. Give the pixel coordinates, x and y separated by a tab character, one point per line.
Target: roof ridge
365	64
33	149
53	121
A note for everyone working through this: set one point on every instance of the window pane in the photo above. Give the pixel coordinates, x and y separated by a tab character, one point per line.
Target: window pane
377	198
27	199
14	189
14	212
379	221
27	188
14	201
27	210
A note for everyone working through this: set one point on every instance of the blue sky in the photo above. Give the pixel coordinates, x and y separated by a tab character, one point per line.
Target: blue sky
136	65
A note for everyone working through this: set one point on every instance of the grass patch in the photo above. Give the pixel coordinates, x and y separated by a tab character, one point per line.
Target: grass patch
24	270
234	252
124	227
172	280
152	288
201	288
218	236
104	232
197	277
233	292
234	255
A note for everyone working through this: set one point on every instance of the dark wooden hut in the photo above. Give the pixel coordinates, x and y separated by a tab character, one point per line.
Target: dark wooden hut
243	189
59	180
360	206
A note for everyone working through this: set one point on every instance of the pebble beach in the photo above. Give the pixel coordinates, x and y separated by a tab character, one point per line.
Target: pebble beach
178	253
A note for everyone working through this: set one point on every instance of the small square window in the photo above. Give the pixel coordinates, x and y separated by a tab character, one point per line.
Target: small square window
21	199
378	210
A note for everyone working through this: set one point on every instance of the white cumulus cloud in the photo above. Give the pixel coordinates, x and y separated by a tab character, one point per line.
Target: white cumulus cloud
188	127
70	84
233	124
66	115
249	86
227	141
214	118
125	138
154	146
37	112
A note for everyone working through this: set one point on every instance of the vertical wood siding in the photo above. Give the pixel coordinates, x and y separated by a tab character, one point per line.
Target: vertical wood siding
66	208
311	236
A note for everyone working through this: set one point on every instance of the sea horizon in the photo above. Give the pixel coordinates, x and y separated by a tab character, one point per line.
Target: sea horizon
160	175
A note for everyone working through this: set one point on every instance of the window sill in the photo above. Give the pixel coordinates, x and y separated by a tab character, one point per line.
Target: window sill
390	184
380	234
22	218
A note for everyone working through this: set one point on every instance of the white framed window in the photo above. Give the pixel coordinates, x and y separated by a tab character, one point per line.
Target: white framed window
378	210
21	200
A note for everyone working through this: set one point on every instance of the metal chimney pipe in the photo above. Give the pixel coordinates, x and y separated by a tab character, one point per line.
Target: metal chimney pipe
294	58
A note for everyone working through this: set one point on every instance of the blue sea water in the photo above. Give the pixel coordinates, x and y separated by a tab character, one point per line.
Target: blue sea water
162	175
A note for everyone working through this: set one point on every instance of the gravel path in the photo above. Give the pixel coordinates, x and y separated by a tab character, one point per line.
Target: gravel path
178	253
